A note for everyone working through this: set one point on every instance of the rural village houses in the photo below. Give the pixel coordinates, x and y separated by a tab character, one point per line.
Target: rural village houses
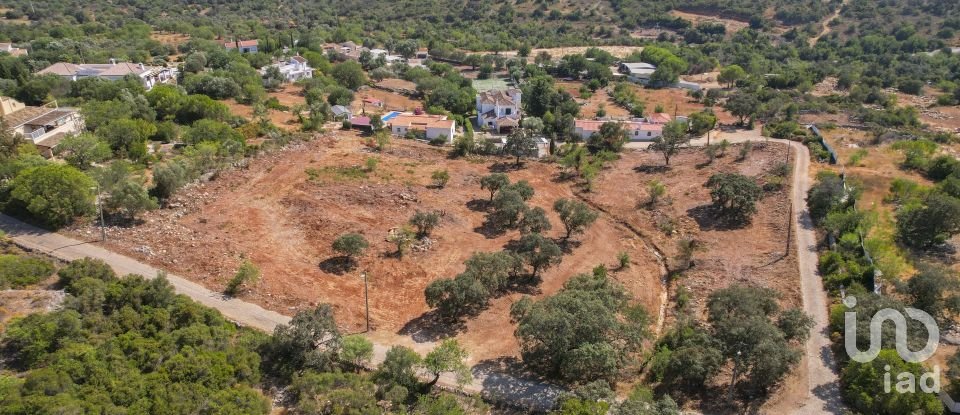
149	76
244	46
499	110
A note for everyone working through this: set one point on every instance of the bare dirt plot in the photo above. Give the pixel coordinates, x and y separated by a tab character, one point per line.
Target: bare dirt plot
671	99
731	25
284	222
589	107
18	303
169	38
391	101
395	83
282	119
755	254
752	254
288	95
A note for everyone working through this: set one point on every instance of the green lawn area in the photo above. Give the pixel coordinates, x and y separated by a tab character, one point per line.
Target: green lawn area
493	83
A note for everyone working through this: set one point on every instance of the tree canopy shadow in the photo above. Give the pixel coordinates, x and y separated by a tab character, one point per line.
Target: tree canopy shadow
337	265
651	168
709	219
489	230
478	205
431	327
503	167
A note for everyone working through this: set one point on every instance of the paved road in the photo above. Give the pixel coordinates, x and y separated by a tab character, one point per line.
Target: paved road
489	382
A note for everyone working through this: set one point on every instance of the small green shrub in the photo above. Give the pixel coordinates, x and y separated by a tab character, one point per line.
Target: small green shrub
17	271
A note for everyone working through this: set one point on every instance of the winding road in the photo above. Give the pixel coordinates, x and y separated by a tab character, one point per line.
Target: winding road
823	396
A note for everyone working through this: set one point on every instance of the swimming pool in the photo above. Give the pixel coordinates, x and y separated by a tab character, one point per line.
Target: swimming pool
390	115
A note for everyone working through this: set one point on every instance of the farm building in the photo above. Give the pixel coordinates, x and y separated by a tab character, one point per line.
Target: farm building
636	130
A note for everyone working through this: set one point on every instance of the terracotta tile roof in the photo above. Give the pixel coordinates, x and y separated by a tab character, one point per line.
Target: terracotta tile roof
421	122
660	118
61	68
96	69
361	121
230	44
497	97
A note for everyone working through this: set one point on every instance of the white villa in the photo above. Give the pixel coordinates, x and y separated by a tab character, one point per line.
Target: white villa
113	71
293	70
499	110
45	126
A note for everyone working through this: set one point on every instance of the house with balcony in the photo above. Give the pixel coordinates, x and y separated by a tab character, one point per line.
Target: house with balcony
499	110
292	70
45	126
149	76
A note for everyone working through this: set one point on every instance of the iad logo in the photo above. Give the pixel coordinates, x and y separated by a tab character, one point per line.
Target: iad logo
906	381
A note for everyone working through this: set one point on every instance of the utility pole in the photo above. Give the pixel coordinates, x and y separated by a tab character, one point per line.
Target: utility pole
103	229
790	216
366	299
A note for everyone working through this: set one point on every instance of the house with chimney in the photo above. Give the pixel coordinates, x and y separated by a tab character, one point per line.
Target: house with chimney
149	76
244	46
499	110
45	126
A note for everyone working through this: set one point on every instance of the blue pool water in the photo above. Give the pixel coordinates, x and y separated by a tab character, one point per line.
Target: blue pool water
390	115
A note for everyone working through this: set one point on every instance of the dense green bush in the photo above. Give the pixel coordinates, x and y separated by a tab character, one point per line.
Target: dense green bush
131	344
17	271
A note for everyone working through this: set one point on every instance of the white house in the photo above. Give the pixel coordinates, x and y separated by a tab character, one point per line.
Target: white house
432	126
8	47
113	71
45	126
293	70
499	110
637	130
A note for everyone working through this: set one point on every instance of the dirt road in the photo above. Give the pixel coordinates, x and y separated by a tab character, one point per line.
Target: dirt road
489	382
823	384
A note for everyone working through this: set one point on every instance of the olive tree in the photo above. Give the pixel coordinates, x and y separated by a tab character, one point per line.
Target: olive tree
576	216
734	195
350	245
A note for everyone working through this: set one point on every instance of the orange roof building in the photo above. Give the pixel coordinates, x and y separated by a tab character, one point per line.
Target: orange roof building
433	126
